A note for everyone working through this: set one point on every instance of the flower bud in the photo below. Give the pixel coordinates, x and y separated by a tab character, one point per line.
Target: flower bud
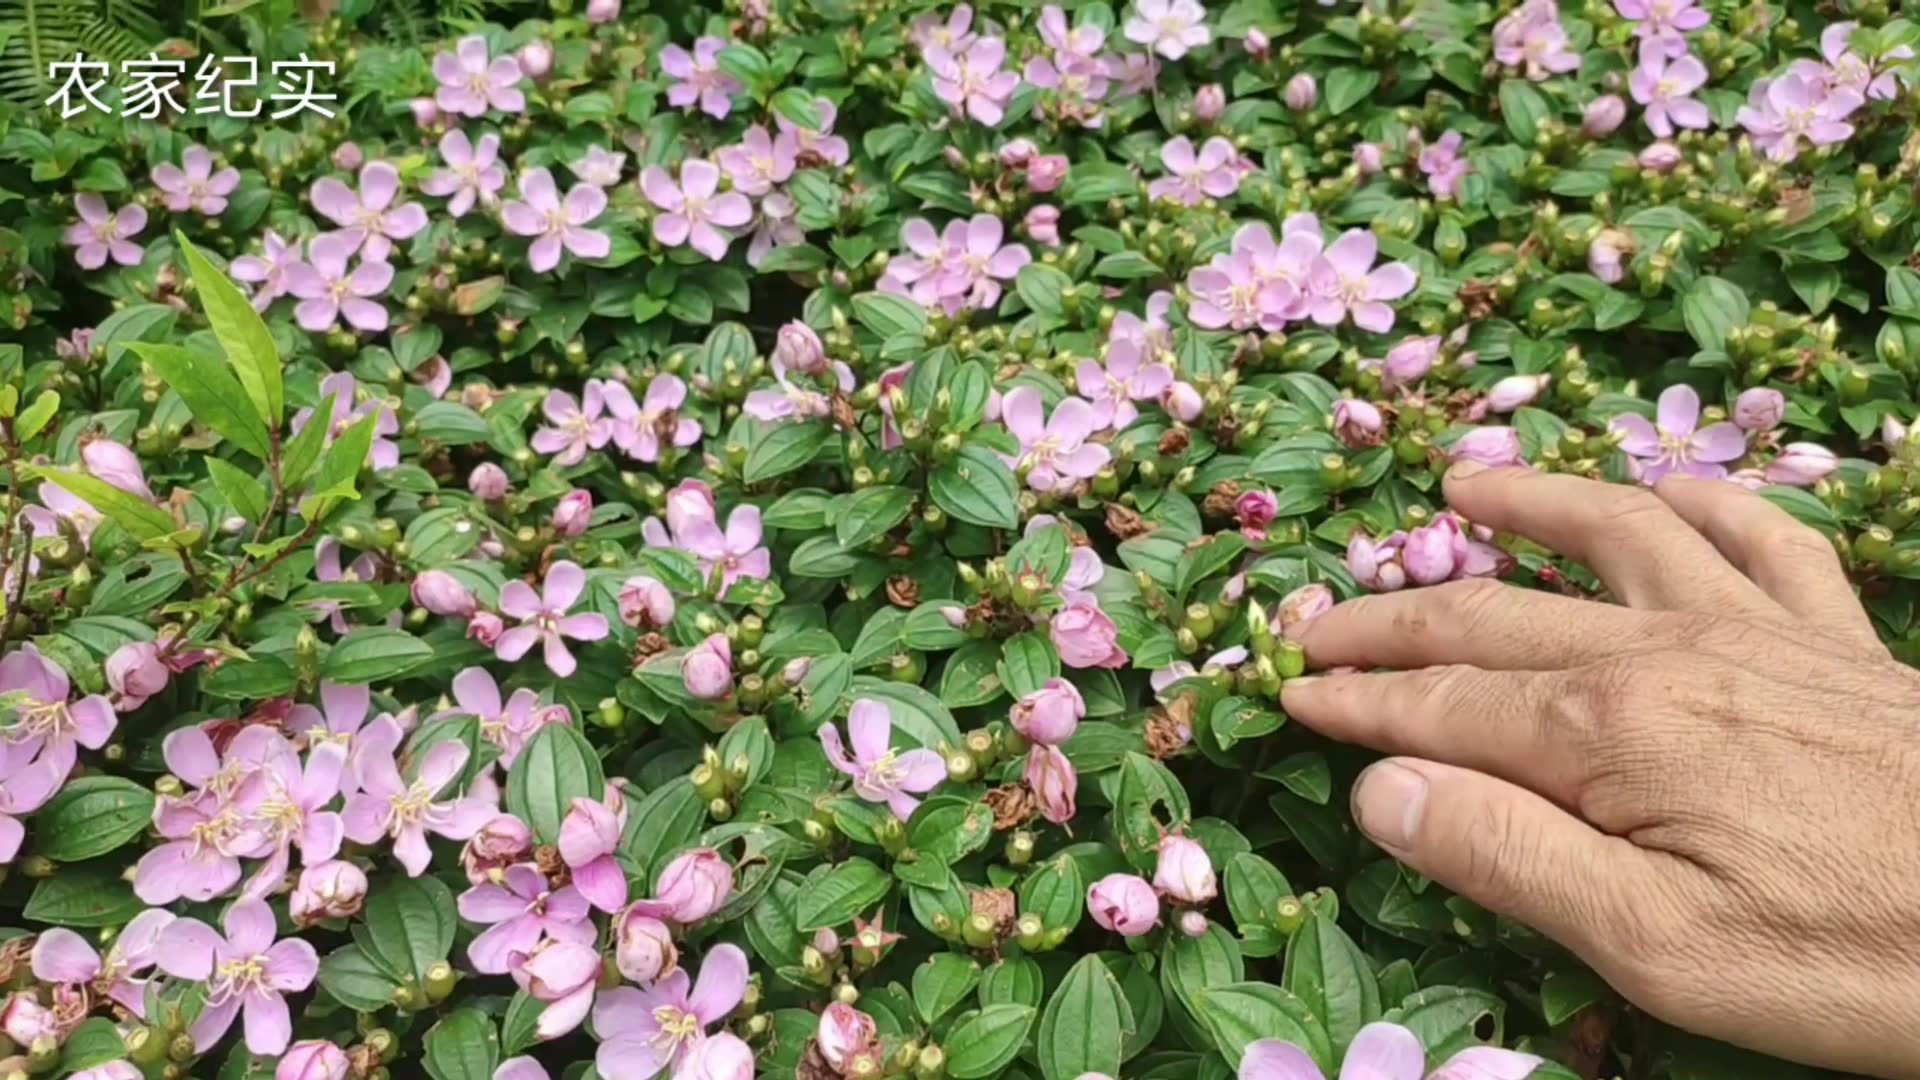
796	670
1124	904
1256	43
334	889
1357	423
313	1059
797	348
135	673
708	669
1892	432
1661	158
844	1032
25	1020
1607	254
536	59
1051	714
1017	153
1053	781
1801	464
573	513
485	627
1300	607
488	481
347	157
442	594
644	950
1429	555
1375	564
1302	93
601	12
1043	224
108	460
1193	924
1183	402
1408	362
1514	391
694	886
1046	173
425	112
500	843
1493	446
1209	102
1184	871
646	604
1254	510
1760	409
1369	159
1603	116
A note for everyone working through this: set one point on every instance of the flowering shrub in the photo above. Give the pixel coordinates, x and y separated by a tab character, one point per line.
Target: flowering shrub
767	541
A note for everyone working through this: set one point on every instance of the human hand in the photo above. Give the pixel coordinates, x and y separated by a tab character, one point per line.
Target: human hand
1711	795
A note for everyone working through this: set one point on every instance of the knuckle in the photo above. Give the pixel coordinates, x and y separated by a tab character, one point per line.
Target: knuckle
1626	514
1796	544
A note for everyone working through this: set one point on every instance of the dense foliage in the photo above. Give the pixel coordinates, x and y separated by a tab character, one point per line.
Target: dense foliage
766	541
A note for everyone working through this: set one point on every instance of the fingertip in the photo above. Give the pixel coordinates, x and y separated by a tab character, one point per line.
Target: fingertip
1389	803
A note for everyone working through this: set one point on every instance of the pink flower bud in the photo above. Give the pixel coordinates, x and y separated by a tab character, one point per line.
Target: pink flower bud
826	941
1183	402
24	1020
1085	636
1193	924
1234	588
1050	714
108	460
136	673
798	348
536	59
708	669
1375	564
557	968
1017	153
796	670
334	889
1302	93
500	843
1516	390
1254	511
1607	255
442	594
644	951
1209	102
1760	409
1429	555
1256	43
1369	159
573	513
313	1059
1300	607
485	627
347	157
1043	225
1409	361
1661	157
645	603
844	1032
425	112
694	886
1357	423
1801	464
1184	871
601	12
1046	172
488	481
1892	431
1492	446
1603	116
1053	781
1124	904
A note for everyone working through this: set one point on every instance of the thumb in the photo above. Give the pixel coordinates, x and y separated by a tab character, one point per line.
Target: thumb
1501	846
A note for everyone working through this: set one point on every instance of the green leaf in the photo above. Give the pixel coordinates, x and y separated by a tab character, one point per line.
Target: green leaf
782	449
264	676
297	457
92	816
246	494
870	513
1328	972
211	393
977	487
93	1044
1028	661
243	334
1712	307
1347	87
557	766
1086	1023
942	982
949	829
1449	1018
519	1027
464	1046
1565	993
984	1042
356	980
888	315
33	419
340	466
797	104
923	719
410	924
667	819
1241	1013
89	895
1523	107
750	741
1056	892
141	519
834	898
1042	286
374	654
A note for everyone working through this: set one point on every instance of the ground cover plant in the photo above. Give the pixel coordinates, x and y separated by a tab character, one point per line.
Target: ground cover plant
764	539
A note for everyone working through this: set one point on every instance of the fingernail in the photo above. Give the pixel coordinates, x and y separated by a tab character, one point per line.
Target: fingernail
1388	802
1465	470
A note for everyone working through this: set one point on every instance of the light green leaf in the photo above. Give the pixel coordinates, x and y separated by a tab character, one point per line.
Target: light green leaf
211	394
242	333
141	519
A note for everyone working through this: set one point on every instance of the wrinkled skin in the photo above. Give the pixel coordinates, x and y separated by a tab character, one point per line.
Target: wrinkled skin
1711	794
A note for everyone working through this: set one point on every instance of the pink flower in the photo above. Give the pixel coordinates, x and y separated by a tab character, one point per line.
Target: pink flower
1258	283
519	912
442	594
1357	423
922	274
1444	166
1664	24
691	211
197	186
1209	102
708	669
844	1031
387	806
1531	38
954	32
368	221
1376	564
539	213
43	722
328	290
638	429
974	80
544	619
693	887
473	173
818	147
1042	224
1047	173
602	12
1051	778
335	889
699	78
573	513
564	974
471	84
1759	409
759	162
1492	446
645	603
62	956
1384	1051
1661	157
1051	714
1678	443
880	773
1665	87
735	553
1085	636
1184	872
1781	112
1801	464
599	166
293	810
797	348
1054	454
1300	607
1171	28
1346	284
313	1059
245	972
577	425
99	233
1848	70
135	673
508	723
1112	389
721	1056
500	843
267	272
1192	177
1254	511
643	949
1124	904
646	1031
343	390
977	261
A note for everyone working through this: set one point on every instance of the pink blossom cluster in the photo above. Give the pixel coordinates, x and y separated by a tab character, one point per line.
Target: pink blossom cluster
1264	285
964	266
